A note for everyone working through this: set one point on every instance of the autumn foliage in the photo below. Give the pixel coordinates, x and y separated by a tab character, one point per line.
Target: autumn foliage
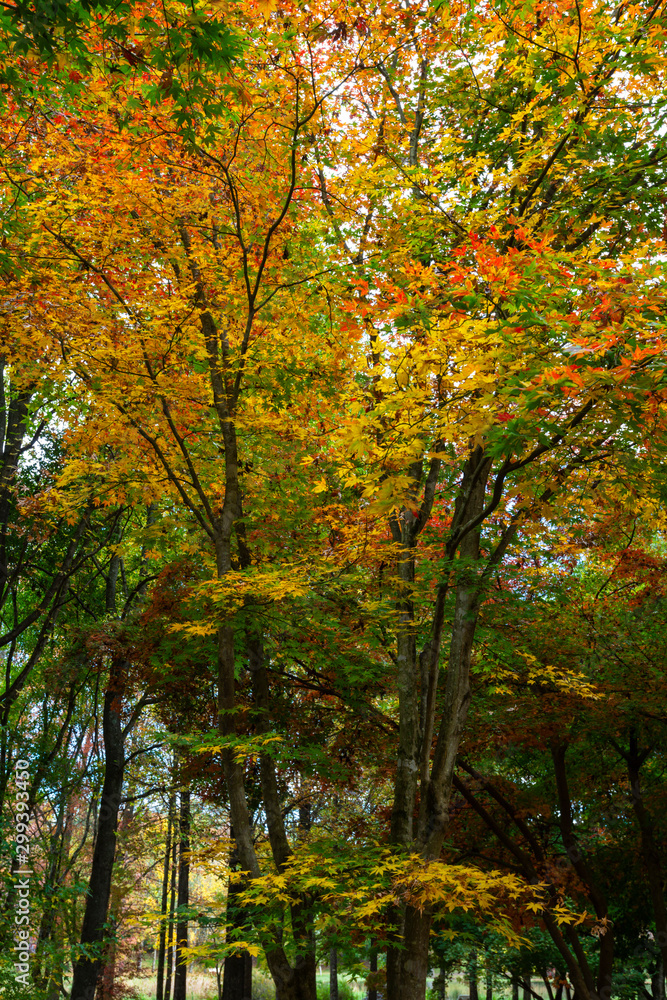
334	387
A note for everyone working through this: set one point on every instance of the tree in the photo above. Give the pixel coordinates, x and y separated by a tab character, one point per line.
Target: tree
484	399
409	278
551	790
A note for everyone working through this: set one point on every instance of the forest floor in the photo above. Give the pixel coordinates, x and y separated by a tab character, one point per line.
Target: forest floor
202	985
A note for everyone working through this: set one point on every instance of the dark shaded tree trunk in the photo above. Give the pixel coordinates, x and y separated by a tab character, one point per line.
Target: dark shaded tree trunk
106	985
649	847
248	976
93	931
333	974
237	982
373	967
473	992
238	968
181	973
162	947
234	978
170	922
658	981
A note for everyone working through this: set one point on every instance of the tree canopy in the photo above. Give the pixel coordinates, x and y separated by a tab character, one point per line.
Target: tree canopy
332	504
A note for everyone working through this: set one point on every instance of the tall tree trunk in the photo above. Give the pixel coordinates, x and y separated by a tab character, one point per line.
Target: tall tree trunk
221	524
373	967
159	989
171	921
237	981
473	992
180	975
297	980
237	967
106	986
489	983
247	993
333	974
407	964
87	966
658	981
649	848
410	967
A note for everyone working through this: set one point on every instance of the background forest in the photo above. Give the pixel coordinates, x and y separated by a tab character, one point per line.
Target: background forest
332	499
